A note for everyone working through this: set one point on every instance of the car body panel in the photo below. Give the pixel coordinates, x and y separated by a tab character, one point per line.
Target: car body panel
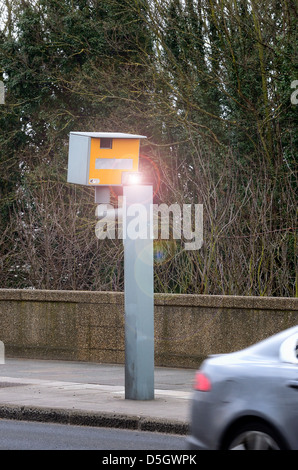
251	384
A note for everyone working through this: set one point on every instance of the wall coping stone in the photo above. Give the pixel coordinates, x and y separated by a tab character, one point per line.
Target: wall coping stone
189	300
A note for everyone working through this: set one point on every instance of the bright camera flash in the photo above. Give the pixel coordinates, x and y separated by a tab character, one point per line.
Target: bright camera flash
131	178
134	178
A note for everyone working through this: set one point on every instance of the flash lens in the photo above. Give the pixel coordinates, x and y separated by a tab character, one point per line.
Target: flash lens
131	178
134	178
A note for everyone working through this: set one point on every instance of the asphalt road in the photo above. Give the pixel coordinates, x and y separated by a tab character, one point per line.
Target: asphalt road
23	435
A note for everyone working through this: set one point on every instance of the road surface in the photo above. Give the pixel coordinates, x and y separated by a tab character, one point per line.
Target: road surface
23	435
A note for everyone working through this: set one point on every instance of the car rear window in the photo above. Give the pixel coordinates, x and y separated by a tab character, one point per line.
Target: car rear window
289	350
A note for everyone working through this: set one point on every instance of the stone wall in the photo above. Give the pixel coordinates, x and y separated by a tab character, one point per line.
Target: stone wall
89	326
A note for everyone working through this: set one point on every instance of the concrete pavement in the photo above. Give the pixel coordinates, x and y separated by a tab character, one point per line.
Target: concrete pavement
92	394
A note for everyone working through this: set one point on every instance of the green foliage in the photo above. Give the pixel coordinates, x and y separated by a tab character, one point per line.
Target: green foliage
209	83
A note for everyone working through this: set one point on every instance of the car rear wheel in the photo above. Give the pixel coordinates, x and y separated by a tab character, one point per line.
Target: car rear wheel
254	436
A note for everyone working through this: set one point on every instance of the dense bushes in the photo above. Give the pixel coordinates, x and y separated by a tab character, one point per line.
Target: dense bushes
209	83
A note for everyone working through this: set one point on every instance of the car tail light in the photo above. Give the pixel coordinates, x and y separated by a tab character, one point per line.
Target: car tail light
202	382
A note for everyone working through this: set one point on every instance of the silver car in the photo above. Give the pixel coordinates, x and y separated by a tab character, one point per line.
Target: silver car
248	400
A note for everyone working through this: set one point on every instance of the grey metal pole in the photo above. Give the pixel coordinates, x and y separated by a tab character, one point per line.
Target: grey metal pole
139	290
